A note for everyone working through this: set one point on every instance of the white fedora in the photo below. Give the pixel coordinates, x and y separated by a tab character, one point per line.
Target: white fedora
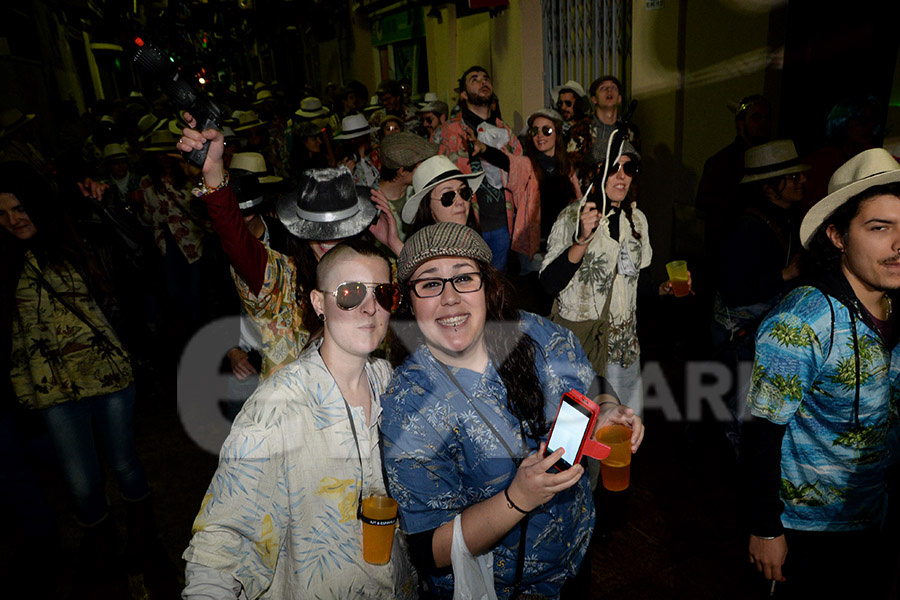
254	163
771	159
354	126
867	169
428	175
569	85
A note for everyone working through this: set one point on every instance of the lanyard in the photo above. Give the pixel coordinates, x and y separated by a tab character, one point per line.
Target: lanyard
359	455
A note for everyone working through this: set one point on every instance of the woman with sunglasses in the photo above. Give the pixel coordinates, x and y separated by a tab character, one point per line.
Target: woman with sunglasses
281	516
555	173
273	272
595	253
465	415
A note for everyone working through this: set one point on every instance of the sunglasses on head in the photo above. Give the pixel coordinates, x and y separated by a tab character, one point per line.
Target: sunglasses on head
630	168
351	294
546	130
448	198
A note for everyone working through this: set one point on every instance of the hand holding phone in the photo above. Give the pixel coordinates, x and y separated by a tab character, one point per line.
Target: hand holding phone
572	430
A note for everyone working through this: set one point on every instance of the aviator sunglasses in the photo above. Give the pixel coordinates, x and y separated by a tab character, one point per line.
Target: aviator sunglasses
448	198
546	130
351	294
630	168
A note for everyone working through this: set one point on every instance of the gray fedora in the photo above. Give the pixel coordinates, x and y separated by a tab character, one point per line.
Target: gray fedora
327	206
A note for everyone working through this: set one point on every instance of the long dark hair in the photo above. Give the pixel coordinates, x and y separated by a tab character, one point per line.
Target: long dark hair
561	158
514	357
424	216
629	199
56	245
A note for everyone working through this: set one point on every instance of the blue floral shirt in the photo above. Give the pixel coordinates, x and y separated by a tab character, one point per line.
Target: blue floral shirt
442	458
832	471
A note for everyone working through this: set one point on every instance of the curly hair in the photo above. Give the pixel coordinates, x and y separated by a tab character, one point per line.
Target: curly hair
515	356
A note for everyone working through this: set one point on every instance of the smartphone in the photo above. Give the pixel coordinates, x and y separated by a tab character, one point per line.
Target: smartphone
572	428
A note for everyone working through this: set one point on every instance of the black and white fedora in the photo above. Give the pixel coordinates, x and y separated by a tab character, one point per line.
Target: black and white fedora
354	126
327	206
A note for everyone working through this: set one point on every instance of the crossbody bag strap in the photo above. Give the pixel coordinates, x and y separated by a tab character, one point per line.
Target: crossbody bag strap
523	524
38	278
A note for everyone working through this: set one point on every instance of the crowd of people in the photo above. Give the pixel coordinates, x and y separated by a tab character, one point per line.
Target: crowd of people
417	287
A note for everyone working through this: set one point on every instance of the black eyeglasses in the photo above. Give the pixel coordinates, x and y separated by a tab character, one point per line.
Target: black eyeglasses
631	168
351	294
448	198
429	287
546	130
567	103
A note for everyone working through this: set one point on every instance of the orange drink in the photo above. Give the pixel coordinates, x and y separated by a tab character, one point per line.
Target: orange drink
615	469
379	517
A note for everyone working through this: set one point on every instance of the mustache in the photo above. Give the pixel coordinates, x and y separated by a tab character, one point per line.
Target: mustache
891	260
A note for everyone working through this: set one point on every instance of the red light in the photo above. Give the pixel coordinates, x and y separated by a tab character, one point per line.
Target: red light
139	42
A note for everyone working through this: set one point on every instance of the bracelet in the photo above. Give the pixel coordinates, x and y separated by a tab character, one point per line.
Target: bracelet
765	537
202	189
609	402
512	504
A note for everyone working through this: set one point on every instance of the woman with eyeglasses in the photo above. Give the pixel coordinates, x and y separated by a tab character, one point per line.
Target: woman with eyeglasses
281	515
465	416
595	253
555	173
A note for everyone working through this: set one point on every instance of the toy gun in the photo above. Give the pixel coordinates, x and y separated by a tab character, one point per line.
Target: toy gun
208	114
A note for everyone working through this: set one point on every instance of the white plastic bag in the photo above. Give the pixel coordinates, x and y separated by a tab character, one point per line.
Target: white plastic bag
473	576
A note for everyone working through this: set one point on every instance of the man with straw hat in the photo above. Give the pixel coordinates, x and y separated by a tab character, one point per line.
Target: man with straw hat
758	260
824	393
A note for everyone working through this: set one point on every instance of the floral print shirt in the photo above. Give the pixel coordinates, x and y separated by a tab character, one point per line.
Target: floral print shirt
55	356
280	513
171	210
585	295
804	376
441	457
275	312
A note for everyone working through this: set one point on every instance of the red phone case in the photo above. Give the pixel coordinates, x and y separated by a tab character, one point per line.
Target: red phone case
589	446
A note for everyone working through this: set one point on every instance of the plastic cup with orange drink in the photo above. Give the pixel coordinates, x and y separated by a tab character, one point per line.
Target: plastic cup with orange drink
615	469
379	518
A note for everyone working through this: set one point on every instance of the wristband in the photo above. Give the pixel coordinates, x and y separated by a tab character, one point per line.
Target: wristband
609	402
512	504
202	189
766	537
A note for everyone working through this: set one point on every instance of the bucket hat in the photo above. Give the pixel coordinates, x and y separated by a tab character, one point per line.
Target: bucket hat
569	85
430	174
867	169
311	107
405	149
326	206
441	239
771	160
354	126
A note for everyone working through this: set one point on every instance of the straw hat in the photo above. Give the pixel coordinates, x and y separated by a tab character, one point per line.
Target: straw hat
262	96
162	140
253	162
867	169
311	107
248	120
428	98
374	104
327	206
569	85
12	119
429	175
354	126
114	152
148	124
771	160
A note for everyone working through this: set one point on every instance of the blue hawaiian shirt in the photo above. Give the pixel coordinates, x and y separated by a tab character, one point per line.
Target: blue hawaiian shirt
442	458
832	470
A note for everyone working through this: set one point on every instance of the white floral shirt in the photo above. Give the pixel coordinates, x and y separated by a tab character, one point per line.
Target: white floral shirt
280	513
585	295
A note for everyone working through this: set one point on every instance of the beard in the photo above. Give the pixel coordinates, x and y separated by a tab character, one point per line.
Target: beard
479	100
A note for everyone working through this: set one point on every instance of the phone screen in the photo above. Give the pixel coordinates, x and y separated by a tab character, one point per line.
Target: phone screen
568	431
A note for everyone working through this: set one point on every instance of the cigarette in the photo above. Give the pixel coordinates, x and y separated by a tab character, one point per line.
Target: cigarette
772	588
